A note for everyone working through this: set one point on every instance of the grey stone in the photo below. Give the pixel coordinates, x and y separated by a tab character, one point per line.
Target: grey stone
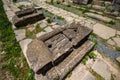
111	42
48	29
88	76
99	17
24	46
39	56
20	34
97	7
56	26
102	69
40	34
118	59
43	25
117	41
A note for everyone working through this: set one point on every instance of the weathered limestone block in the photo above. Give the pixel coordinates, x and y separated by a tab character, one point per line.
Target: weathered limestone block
39	56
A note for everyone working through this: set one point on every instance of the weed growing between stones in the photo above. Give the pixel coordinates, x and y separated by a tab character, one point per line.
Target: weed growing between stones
69	75
13	57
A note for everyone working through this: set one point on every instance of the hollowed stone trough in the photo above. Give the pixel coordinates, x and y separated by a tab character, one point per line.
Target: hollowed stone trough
27	16
53	55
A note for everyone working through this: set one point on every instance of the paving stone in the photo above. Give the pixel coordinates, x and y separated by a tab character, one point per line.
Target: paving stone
99	17
118	59
6	7
111	42
10	14
118	18
78	73
24	45
48	29
40	34
102	69
53	23
31	28
97	7
117	41
103	31
88	76
43	25
56	26
20	34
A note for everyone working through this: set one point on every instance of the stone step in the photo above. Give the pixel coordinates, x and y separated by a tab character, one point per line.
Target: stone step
98	17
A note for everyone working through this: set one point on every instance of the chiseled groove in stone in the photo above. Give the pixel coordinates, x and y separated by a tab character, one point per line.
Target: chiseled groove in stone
38	55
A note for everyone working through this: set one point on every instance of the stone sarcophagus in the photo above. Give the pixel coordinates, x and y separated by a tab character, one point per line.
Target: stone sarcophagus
53	55
27	16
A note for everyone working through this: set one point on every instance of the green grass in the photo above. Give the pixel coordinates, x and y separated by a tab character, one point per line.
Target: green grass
13	56
117	48
92	55
32	34
69	75
85	59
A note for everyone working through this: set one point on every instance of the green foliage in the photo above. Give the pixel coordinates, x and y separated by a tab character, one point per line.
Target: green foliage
111	22
92	55
118	48
85	59
68	5
92	37
21	7
30	75
85	10
58	2
14	1
52	1
69	75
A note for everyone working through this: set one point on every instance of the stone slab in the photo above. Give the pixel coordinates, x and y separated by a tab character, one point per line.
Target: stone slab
102	69
24	46
39	56
98	17
20	34
43	25
40	34
103	31
48	29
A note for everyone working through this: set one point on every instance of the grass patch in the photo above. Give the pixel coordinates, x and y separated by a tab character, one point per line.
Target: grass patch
53	18
13	56
21	7
111	22
32	34
85	59
117	48
92	55
69	75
